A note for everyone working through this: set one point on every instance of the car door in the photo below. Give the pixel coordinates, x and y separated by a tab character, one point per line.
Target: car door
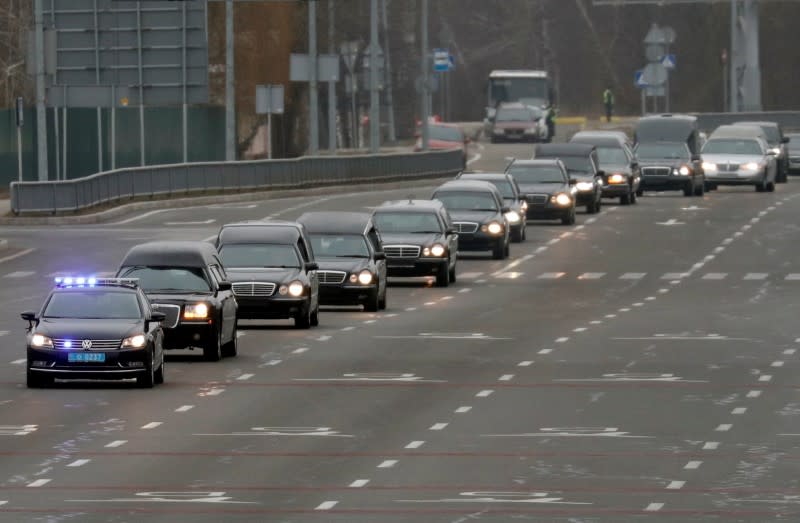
374	240
228	301
452	237
307	255
153	328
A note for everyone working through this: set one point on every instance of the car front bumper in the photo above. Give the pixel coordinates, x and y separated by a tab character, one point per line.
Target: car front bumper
118	364
479	241
414	267
665	183
345	294
735	178
616	190
189	334
262	308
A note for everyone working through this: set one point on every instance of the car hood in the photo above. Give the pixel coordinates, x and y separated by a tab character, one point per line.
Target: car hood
473	216
410	239
542	188
514	125
662	162
266	274
89	329
732	158
342	264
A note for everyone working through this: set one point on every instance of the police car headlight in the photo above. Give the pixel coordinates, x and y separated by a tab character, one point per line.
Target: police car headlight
584	186
198	311
135	342
513	216
365	277
37	340
295	289
493	228
562	199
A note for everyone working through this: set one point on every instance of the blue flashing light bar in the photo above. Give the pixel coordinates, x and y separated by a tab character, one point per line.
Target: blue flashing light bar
91	281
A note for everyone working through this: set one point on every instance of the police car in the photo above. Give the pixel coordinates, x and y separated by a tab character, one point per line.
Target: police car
95	328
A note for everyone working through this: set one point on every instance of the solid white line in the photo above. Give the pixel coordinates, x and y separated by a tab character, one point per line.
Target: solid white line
389	463
545	351
118	443
506	377
725	427
711	445
462	410
438	426
19	361
184	408
415	444
145	215
16	255
79	462
358	483
777	364
484	394
38	483
765	377
754	394
739	410
562	340
204	222
244	377
301	350
654	507
152	425
527	363
693	465
676	485
789	352
326	505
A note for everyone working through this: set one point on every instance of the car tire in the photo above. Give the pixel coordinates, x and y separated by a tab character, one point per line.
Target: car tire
231	348
770	187
516	236
640	192
452	274
700	190
443	276
34	381
625	199
498	251
688	190
590	208
524	231
760	187
213	351
148	378
633	196
382	301
315	317
158	376
303	318
569	219
507	250
372	303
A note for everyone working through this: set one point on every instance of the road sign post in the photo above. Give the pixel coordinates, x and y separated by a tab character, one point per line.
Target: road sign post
20	122
269	101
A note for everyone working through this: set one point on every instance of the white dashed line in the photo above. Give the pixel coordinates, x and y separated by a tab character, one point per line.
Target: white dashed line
19	361
725	427
624	309
595	322
551	275
711	445
638	304
673	276
777	364
367	322
579	329
215	391
633	276
484	394
554	241
326	505
591	275
611	315
715	276
526	363
793	276
462	291
301	350
591	220
754	394
272	363
676	485
580	227
389	463
463	410
184	408
39	483
545	351
152	425
358	483
727	241
755	276
506	377
411	309
323	338
438	426
739	410
115	444
79	462
429	303
789	352
562	340
693	465
541	249
349	328
765	377
719	249
650	298
415	444
244	377
654	507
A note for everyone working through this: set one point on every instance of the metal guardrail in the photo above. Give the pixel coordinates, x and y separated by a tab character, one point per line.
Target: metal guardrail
788	120
193	178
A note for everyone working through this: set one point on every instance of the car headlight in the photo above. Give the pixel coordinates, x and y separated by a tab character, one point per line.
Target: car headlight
563	199
584	186
493	228
616	178
135	342
513	216
437	249
752	166
684	170
296	289
365	277
709	167
198	311
523	205
37	340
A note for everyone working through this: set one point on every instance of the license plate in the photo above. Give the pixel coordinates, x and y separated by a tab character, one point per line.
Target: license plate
86	357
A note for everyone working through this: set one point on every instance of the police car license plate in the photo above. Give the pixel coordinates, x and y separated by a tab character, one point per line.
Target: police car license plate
86	357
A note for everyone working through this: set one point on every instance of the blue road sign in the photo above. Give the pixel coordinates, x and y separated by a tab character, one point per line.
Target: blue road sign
669	61
441	60
638	79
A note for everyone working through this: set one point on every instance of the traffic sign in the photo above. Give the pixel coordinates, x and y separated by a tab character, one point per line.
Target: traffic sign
654	74
668	61
638	79
441	60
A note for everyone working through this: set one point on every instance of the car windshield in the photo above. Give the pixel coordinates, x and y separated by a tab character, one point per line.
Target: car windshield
259	255
503	186
466	200
530	174
611	156
445	133
339	246
794	142
728	146
408	222
94	304
577	164
184	279
514	115
662	151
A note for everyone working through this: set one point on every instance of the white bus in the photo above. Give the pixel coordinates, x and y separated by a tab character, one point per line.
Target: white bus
529	87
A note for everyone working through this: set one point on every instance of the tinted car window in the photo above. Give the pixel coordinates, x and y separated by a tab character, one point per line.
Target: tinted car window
407	222
661	151
168	278
259	255
340	245
611	156
536	174
720	146
467	201
93	305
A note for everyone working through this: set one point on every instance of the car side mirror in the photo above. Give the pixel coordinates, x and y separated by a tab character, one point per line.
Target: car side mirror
224	285
157	316
29	316
311	266
450	230
601	173
380	256
786	139
573	181
505	210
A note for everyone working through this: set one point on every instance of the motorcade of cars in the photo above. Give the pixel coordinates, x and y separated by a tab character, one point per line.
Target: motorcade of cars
517	122
273	270
419	239
512	198
443	137
548	190
582	165
479	216
187	281
794	152
348	251
621	136
667	147
622	174
731	156
778	143
94	328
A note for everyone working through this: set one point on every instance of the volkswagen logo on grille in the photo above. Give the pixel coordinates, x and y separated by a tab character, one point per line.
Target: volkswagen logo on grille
86	344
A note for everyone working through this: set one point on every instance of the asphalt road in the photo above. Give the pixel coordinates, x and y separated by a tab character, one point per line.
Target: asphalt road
636	366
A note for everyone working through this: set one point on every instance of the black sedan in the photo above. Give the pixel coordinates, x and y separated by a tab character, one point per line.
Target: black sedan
512	197
352	264
549	192
91	328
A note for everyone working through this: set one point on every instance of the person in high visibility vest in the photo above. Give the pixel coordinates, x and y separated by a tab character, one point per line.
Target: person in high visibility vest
608	102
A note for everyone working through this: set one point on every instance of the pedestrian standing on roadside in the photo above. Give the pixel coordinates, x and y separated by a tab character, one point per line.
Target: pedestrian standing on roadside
608	102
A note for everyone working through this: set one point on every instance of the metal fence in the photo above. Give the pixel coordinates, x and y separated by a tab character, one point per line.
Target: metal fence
197	178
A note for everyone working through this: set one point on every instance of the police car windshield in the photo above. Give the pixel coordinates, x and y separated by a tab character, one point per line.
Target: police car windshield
93	304
466	201
259	255
536	174
407	222
339	246
168	279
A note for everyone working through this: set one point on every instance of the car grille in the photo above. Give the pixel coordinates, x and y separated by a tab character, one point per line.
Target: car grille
466	227
173	313
401	251
728	167
254	288
331	277
656	171
537	199
77	343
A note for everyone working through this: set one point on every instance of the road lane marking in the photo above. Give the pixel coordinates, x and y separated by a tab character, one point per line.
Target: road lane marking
654	507
650	298
765	377
624	309
184	408
358	483
79	462
19	361
611	315
633	276
387	464
563	339
789	352
19	274
693	465
554	241
3	502
739	410
152	425
415	444
673	275
793	276
203	222
117	443
146	215
526	363
591	220
348	328
301	350
551	275
711	445
545	351
272	363
756	276
323	338
367	322
463	410
484	393
719	249
638	304
715	276
244	377
754	394
506	377
541	249
462	291
676	485
16	255
411	309
438	426
579	329
777	364
326	505
591	275
725	427
38	483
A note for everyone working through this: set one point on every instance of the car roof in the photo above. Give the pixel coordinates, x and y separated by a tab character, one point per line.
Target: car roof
537	161
467	186
512	105
738	131
598	140
411	205
622	135
336	222
555	150
96	288
484	176
172	253
685	117
261	231
760	124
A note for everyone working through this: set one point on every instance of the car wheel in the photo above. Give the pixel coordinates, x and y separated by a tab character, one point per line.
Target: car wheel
372	303
148	378
516	236
443	276
452	274
498	251
770	187
303	318
231	348
524	231
640	192
507	250
35	381
213	351
760	187
590	208
158	376
315	317
569	219
633	195
625	199
700	189
688	190
382	301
